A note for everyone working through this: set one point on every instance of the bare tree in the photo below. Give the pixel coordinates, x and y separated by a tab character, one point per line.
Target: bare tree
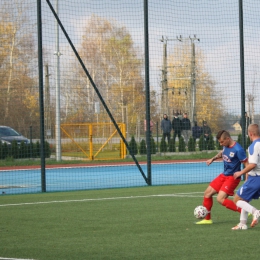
110	56
16	61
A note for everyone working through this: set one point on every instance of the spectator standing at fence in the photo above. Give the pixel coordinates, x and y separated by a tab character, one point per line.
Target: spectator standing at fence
186	128
176	126
196	131
206	131
166	127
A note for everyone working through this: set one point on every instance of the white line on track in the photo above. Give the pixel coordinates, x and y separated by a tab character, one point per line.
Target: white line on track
190	195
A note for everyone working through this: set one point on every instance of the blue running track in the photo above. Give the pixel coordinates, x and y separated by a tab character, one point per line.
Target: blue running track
102	177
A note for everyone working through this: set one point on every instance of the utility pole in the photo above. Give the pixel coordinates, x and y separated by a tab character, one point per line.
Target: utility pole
192	92
164	100
193	113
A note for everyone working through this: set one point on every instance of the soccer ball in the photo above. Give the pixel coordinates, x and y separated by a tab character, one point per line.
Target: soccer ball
200	212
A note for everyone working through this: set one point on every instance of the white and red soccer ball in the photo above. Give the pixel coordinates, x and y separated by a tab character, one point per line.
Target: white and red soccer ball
200	212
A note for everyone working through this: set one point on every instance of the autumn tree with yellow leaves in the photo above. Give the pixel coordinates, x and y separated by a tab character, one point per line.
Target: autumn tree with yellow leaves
208	103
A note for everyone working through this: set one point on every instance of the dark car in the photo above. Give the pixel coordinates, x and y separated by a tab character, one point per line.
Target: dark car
8	135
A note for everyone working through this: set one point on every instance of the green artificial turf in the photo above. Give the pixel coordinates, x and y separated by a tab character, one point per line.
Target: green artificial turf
132	223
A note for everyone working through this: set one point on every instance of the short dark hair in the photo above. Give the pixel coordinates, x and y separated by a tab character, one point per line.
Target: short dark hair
223	133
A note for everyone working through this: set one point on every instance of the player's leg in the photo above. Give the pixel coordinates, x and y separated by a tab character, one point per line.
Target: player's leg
208	203
213	188
227	189
243	220
244	212
248	191
249	208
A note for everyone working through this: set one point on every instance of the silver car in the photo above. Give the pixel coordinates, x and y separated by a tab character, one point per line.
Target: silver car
8	135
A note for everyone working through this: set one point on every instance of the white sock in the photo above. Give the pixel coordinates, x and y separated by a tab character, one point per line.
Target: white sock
246	206
243	216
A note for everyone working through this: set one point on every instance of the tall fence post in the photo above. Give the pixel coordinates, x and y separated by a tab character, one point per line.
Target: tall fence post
242	72
41	101
147	90
242	75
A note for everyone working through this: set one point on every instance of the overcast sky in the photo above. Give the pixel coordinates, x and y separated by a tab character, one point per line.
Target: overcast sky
215	23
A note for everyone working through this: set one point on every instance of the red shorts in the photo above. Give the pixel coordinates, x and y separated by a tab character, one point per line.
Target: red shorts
225	183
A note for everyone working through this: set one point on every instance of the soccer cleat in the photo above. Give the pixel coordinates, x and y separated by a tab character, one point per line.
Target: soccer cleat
256	216
204	222
239	227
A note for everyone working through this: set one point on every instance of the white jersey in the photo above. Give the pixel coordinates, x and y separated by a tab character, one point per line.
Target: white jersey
254	157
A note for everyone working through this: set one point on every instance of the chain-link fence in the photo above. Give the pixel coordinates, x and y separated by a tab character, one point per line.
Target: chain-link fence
203	61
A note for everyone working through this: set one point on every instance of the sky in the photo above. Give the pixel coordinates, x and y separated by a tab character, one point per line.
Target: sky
214	22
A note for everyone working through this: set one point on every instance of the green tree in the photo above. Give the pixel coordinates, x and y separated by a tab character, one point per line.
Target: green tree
163	146
142	149
15	149
153	146
182	145
202	143
191	145
218	146
133	146
6	151
239	139
47	150
211	143
172	147
23	150
248	142
1	151
36	149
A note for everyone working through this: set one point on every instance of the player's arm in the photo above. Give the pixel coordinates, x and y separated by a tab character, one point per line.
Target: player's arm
217	156
248	168
245	164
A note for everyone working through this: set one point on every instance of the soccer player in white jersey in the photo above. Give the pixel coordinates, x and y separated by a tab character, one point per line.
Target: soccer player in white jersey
251	187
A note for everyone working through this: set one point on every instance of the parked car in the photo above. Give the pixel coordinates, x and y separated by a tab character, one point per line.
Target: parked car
8	135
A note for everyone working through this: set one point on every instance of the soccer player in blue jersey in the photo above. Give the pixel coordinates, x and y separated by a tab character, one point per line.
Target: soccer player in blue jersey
251	187
224	184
